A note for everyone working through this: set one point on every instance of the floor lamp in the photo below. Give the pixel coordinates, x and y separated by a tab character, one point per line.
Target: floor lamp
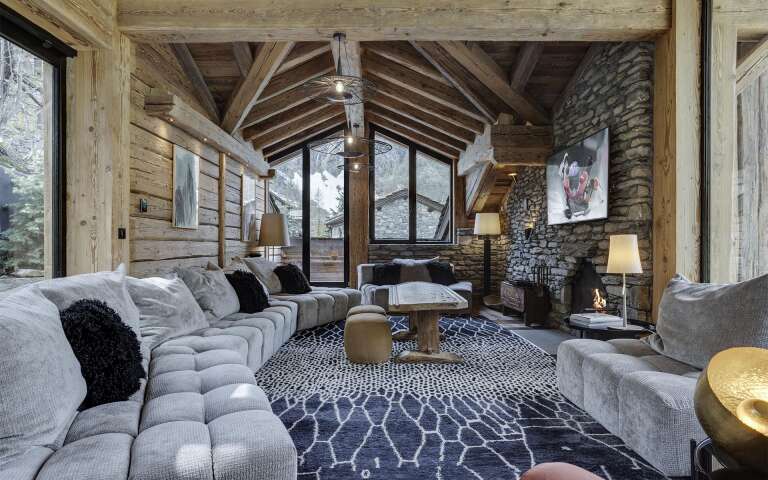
487	225
274	231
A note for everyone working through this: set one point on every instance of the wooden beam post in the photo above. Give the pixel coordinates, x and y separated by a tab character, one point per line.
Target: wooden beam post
358	218
722	172
677	117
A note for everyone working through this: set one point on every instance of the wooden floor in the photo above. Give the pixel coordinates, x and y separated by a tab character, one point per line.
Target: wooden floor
545	338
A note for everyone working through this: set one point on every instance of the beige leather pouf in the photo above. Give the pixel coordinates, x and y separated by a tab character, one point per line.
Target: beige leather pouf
365	309
367	337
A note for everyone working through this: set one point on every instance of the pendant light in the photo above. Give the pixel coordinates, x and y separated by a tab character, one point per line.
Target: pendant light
350	145
337	88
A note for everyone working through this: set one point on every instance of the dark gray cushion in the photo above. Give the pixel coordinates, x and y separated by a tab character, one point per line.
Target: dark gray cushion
698	320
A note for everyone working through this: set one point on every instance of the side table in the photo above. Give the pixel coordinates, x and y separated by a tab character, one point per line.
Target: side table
709	463
607	333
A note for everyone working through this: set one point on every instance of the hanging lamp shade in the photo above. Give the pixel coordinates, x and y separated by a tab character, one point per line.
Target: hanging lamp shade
338	88
350	145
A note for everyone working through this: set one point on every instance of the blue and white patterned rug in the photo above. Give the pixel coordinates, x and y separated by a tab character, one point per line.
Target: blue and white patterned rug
492	417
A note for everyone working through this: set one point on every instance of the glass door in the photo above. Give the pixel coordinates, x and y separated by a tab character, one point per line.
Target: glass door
310	189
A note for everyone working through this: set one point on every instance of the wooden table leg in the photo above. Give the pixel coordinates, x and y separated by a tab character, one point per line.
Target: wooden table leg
410	334
428	341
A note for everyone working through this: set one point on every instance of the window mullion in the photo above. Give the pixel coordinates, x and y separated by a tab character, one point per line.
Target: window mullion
411	193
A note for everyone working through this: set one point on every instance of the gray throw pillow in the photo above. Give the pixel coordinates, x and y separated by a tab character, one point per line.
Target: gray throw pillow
698	320
413	261
212	291
167	309
265	272
41	386
109	287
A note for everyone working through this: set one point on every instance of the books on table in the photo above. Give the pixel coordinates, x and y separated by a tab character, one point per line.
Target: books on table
596	320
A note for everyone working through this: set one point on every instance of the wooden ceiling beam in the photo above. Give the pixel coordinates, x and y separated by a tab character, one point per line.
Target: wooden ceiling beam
410	80
527	59
282	119
453	72
519	20
412	135
297	76
521	145
425	104
485	69
272	137
347	54
275	105
192	71
303	52
266	62
243	57
404	54
416	126
280	147
427	119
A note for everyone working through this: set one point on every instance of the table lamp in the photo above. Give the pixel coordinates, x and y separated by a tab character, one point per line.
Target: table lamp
624	258
487	225
274	231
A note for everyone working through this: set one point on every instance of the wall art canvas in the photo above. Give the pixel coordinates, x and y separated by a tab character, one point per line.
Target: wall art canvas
186	176
249	213
577	181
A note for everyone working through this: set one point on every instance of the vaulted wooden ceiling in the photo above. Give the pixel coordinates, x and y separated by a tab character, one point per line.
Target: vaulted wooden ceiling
439	94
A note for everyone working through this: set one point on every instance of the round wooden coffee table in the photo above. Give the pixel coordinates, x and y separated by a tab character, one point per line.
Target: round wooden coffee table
423	303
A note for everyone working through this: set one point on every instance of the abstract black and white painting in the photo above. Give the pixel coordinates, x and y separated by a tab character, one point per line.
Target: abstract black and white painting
577	181
186	172
248	212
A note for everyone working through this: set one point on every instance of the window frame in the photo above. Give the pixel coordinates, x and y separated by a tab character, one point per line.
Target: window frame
276	159
17	30
413	149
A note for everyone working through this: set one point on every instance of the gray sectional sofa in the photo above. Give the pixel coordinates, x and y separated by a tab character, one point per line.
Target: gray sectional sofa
199	414
642	390
373	294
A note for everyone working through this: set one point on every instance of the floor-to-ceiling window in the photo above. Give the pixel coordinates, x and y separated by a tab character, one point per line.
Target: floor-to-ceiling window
411	199
32	68
309	187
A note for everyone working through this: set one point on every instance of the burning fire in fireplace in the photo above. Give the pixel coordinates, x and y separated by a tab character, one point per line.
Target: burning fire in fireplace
598	301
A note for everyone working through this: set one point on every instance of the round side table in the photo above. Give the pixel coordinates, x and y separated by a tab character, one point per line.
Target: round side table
709	463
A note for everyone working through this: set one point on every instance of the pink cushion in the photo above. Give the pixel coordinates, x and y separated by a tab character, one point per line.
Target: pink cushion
558	471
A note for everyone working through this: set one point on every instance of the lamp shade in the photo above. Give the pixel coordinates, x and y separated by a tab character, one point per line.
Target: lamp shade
274	231
623	255
487	224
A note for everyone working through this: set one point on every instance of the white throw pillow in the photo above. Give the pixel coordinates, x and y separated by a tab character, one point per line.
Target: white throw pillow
167	308
412	261
109	287
265	272
41	386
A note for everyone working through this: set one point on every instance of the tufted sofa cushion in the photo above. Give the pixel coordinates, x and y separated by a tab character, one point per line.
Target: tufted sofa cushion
322	305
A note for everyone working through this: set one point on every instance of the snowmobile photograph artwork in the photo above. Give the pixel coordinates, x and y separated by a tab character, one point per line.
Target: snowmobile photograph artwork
577	181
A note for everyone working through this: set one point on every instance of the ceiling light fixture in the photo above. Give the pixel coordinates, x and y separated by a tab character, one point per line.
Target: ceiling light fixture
337	88
350	145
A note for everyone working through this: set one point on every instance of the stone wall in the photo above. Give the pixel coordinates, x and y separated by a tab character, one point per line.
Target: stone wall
466	255
615	92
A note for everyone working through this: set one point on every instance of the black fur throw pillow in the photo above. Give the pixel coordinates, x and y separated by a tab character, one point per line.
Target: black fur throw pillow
292	279
440	272
107	349
249	291
386	274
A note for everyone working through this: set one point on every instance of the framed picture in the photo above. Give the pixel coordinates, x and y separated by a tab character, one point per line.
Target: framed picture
248	210
186	177
577	181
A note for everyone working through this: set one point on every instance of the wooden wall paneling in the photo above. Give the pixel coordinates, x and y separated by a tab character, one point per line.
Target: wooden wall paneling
749	16
752	66
98	92
722	236
677	117
265	20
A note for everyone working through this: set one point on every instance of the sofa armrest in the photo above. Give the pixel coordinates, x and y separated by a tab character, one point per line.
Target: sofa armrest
364	274
375	295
